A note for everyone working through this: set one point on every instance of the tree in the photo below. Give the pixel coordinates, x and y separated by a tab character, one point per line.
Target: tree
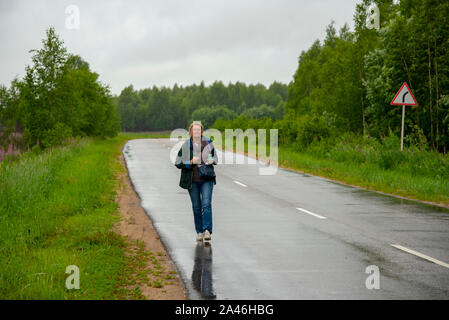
260	112
208	115
61	97
127	108
37	93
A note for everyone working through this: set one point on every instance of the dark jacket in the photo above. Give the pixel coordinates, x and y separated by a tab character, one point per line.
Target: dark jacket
185	154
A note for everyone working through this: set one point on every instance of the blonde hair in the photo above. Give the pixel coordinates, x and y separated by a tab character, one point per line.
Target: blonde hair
195	123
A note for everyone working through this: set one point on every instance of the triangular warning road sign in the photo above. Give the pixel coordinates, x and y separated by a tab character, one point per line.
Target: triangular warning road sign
404	97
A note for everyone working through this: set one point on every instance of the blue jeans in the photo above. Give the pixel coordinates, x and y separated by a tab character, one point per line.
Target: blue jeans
201	196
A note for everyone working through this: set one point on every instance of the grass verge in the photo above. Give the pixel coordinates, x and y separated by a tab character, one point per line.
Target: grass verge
57	209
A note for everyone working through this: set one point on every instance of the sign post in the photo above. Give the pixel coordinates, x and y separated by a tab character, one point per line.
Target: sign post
403	98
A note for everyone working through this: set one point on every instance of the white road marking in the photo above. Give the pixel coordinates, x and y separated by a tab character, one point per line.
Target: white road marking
416	253
311	213
243	185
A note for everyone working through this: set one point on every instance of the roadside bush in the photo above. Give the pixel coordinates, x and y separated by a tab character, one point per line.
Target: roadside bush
310	129
288	130
220	124
426	163
388	154
416	138
56	135
347	147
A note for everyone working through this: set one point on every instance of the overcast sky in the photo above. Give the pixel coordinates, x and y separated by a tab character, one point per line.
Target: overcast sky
161	43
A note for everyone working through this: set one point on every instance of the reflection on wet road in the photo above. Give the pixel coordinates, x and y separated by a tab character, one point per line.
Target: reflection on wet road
202	270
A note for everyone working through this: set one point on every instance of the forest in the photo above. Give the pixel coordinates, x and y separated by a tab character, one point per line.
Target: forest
343	85
166	108
353	76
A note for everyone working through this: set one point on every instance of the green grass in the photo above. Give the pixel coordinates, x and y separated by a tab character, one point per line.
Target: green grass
57	209
368	175
416	174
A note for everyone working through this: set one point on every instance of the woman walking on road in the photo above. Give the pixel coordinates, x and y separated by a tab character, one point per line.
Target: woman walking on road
196	159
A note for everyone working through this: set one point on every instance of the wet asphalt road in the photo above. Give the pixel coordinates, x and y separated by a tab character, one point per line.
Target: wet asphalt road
291	235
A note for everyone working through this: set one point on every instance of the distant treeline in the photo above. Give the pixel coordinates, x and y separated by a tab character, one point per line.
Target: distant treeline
59	98
342	85
170	108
